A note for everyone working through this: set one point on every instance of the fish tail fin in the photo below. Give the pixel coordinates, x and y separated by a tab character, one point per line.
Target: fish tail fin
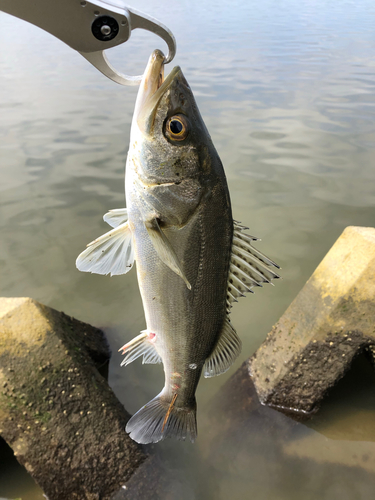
160	418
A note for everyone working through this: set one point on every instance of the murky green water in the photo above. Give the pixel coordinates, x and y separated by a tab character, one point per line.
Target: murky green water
287	90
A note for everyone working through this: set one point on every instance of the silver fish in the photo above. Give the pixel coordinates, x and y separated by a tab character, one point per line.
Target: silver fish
193	260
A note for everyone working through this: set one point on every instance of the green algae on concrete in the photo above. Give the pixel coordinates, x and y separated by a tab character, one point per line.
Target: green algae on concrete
57	412
329	323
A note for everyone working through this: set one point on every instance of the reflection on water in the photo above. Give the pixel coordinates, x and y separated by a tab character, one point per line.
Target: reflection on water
288	93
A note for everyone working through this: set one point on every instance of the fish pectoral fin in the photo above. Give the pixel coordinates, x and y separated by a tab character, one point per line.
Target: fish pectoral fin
248	266
164	249
112	253
116	217
226	351
140	346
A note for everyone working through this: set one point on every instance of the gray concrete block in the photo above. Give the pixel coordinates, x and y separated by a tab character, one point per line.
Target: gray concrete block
326	326
58	414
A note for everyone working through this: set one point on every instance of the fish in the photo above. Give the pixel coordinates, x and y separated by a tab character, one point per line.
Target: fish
192	259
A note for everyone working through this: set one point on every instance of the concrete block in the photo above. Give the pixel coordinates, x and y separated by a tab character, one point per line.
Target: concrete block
326	326
57	413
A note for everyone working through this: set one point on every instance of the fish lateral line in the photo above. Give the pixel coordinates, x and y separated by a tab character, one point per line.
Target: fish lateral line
169	411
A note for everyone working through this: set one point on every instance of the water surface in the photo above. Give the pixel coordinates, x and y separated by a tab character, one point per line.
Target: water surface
287	91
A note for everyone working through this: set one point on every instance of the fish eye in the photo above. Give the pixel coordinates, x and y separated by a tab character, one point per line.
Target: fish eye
177	128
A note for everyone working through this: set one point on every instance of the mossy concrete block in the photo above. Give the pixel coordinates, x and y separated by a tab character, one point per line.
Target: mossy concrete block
326	326
58	414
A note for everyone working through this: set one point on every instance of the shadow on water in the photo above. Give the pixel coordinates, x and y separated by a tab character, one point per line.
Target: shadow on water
15	482
257	451
348	411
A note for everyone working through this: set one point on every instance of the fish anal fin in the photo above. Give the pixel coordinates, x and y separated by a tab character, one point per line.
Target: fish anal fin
164	249
140	346
160	419
227	349
112	253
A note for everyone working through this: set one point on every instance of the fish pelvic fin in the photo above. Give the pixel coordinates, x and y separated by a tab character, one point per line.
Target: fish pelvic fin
164	249
112	253
226	351
248	266
160	419
140	346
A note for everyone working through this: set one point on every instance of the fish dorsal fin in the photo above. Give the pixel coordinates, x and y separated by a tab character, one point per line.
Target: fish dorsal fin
112	253
248	266
140	346
226	351
164	249
116	217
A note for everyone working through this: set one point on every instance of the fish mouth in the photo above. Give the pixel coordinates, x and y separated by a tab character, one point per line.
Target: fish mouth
153	87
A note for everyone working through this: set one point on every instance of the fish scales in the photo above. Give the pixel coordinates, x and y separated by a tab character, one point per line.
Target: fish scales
186	322
192	259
